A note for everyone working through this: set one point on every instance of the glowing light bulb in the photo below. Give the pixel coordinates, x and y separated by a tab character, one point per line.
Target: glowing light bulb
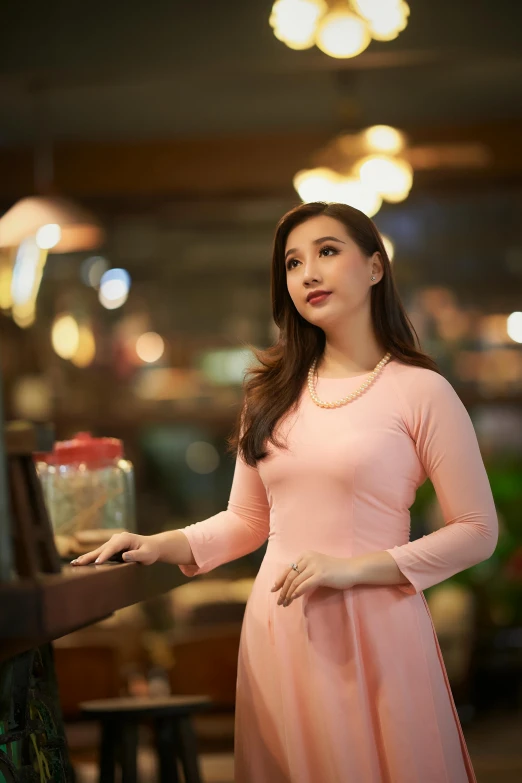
391	177
317	184
391	21
342	34
384	138
48	236
294	21
353	192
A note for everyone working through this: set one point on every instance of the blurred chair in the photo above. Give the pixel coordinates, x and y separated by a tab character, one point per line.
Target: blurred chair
174	735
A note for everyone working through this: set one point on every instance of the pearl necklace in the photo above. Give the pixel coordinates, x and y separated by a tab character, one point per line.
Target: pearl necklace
350	397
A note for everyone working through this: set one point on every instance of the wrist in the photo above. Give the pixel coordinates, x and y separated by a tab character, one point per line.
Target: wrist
356	567
173	547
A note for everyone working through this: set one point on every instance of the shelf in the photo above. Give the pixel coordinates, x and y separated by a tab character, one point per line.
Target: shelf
35	612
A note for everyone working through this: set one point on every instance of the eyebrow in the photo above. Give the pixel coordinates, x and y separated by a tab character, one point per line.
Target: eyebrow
315	242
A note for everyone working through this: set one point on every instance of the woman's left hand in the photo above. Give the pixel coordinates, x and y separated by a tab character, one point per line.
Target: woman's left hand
316	570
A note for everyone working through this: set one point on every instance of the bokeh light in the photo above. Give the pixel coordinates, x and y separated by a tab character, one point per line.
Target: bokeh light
391	177
353	192
294	21
384	138
48	236
93	269
86	351
202	457
114	288
316	184
514	326
150	347
65	336
342	34
388	246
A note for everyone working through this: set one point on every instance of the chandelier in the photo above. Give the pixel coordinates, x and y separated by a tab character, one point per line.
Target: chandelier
339	28
362	170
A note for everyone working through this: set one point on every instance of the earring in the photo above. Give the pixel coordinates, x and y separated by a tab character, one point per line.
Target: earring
373	278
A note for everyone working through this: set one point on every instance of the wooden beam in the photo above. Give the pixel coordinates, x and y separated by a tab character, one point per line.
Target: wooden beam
228	166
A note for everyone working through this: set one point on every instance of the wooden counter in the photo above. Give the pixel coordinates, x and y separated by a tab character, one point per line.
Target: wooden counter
35	612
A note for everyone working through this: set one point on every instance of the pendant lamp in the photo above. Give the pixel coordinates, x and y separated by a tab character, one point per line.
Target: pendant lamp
59	225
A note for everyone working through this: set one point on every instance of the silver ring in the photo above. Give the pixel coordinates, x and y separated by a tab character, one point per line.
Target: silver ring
294	566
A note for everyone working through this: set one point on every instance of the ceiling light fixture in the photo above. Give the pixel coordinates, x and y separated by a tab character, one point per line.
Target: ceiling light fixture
340	28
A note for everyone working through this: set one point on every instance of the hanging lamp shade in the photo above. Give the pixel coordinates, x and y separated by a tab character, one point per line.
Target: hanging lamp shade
60	225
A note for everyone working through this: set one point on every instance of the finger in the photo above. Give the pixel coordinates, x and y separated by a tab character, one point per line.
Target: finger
88	557
290	579
141	554
115	544
294	584
118	543
279	582
293	592
304	587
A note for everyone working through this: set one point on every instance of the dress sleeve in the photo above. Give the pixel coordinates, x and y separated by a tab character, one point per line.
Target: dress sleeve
447	446
230	534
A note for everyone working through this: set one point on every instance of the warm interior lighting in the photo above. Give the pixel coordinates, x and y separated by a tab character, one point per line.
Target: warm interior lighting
317	184
342	34
386	20
353	192
391	177
48	236
6	276
323	184
341	29
25	281
65	336
384	138
86	350
514	327
388	246
150	347
294	21
78	228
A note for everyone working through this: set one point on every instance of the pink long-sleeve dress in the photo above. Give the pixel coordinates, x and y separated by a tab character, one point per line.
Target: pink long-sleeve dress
350	685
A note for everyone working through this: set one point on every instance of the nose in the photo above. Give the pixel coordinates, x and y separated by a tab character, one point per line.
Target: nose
310	269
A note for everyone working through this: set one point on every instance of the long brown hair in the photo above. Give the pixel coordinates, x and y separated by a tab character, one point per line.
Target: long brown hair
274	385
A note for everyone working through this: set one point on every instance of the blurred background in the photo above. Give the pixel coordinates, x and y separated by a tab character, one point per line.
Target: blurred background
147	151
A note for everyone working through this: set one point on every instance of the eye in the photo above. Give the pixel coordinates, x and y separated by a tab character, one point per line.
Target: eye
329	248
325	249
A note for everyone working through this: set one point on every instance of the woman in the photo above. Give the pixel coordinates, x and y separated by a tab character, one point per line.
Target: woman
340	674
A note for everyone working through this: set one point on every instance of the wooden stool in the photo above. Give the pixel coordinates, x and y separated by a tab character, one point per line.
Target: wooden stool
175	737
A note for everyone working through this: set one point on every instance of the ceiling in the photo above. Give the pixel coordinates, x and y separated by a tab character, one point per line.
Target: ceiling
107	81
135	70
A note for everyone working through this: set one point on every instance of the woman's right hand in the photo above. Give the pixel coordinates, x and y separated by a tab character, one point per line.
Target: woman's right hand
139	549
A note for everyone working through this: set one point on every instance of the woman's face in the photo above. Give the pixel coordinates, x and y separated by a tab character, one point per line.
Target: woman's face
321	255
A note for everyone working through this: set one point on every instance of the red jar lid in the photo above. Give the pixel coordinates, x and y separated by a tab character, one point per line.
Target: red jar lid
85	448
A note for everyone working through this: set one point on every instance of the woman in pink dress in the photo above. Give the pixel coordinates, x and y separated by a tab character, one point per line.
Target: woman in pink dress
340	674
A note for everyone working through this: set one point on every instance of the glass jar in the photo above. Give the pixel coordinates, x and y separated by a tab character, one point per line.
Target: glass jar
87	485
